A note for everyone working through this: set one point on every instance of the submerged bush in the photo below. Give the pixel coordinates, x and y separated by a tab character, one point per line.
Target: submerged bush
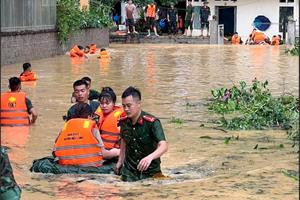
294	50
253	107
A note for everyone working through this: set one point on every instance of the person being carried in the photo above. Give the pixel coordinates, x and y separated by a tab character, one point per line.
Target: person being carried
104	54
79	143
143	140
93	94
81	93
16	108
109	115
27	74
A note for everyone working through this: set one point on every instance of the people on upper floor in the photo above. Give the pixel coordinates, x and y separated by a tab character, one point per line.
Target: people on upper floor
93	94
27	74
81	93
16	108
204	15
79	143
109	115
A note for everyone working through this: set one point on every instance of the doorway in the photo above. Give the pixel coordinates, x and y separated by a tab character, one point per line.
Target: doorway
227	16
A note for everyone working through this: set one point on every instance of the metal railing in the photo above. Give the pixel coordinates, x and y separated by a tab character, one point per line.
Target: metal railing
31	15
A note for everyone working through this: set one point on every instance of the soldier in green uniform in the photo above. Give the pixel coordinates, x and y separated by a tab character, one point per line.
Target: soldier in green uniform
143	140
81	91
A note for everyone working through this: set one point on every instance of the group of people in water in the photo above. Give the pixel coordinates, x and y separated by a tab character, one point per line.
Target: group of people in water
96	130
257	38
78	51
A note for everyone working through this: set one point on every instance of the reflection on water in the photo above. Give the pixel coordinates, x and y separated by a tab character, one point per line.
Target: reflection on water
170	77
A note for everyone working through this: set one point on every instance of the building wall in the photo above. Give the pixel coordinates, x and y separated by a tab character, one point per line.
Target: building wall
23	47
247	10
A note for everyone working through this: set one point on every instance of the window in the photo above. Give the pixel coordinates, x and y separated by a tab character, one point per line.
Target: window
284	14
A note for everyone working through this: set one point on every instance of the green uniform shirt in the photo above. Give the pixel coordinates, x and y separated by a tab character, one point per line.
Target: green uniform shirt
189	12
141	140
94	94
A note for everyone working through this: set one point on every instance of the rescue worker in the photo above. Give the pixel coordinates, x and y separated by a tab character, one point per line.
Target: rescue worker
236	39
27	74
143	140
81	93
16	108
104	54
109	115
91	49
79	143
276	40
150	18
77	51
93	94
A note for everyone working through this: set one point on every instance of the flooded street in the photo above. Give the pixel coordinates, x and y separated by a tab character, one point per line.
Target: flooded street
199	165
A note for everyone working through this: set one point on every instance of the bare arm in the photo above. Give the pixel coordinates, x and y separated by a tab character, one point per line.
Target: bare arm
121	157
34	115
107	154
162	147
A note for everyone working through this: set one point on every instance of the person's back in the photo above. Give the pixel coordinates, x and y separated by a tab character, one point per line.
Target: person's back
77	51
16	107
27	74
79	143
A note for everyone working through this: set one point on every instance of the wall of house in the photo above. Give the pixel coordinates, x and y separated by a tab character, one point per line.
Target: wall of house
25	46
247	10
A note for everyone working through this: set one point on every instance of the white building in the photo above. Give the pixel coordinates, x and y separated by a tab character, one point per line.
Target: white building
238	15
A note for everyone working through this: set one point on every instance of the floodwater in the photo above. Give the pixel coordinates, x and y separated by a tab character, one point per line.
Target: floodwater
169	77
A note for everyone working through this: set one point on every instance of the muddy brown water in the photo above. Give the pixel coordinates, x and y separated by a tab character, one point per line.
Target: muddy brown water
169	77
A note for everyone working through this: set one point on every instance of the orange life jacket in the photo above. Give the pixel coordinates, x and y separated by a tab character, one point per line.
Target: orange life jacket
76	144
14	109
108	126
93	48
28	76
151	8
259	37
235	40
104	54
275	40
76	52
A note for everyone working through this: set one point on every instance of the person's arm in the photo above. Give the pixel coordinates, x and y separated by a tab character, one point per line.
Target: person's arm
121	157
160	150
107	154
34	115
